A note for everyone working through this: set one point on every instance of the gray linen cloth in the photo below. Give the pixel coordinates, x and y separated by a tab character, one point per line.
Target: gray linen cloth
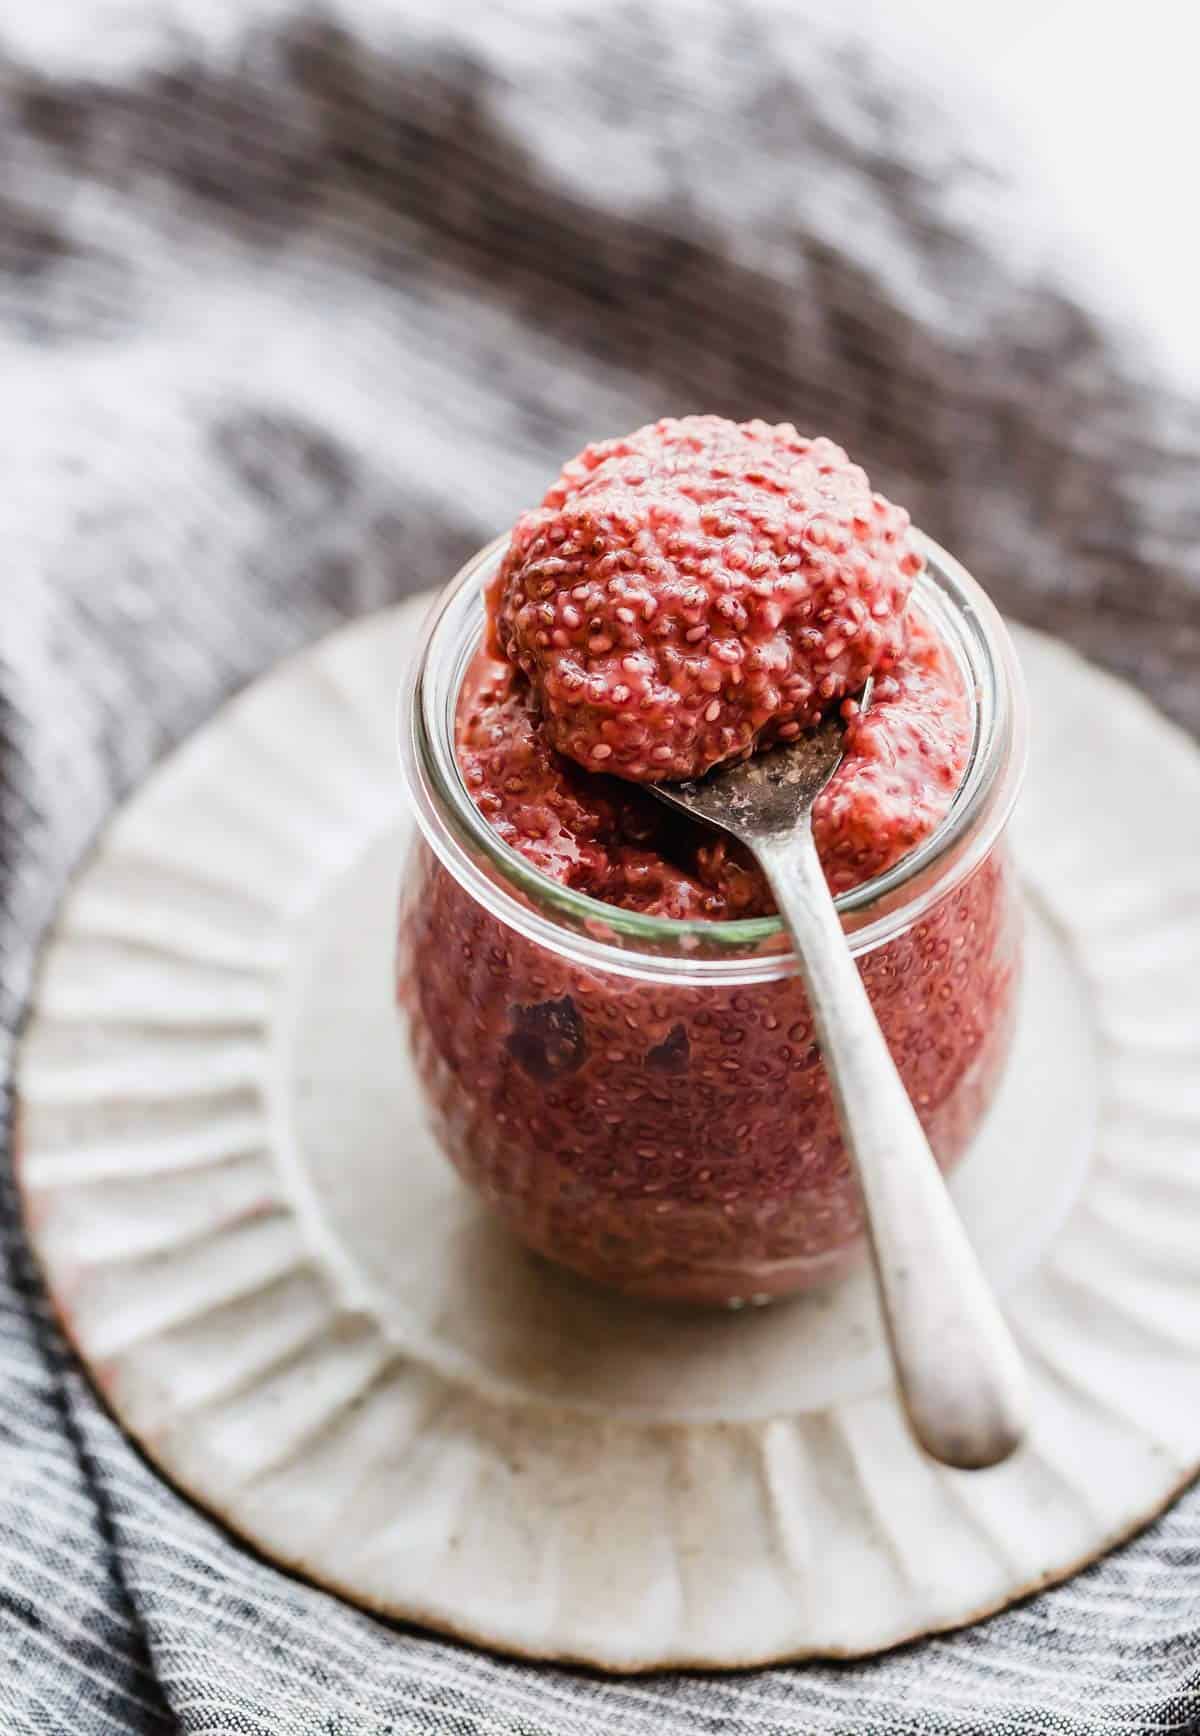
300	302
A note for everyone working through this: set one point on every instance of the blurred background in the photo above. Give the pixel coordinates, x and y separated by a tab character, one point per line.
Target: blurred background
300	302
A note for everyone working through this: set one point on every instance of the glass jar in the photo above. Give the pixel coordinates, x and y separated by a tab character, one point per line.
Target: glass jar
643	1100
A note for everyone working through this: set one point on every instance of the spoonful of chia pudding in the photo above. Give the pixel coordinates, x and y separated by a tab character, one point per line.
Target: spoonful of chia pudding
704	609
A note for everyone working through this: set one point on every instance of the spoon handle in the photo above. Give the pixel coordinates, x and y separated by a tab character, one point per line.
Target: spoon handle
959	1372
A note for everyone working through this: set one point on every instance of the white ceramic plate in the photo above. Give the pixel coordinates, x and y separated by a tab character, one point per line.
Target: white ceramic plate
291	1303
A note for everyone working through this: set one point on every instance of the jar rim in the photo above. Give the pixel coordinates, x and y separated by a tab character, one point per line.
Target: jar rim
608	937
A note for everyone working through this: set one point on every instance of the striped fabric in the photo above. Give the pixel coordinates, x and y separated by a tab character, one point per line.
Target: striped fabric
299	302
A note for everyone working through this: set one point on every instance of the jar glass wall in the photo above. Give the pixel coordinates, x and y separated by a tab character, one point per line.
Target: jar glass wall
643	1100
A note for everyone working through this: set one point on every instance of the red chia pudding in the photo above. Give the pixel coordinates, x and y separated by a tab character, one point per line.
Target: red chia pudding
697	589
614	1045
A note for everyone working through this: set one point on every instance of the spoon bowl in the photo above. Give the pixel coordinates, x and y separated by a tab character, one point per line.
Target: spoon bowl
771	794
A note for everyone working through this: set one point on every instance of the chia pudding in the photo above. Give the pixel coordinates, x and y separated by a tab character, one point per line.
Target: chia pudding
648	1105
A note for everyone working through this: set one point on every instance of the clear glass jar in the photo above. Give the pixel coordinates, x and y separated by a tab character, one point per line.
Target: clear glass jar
642	1100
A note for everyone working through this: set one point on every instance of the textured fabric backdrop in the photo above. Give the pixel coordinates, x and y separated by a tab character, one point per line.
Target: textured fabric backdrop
298	304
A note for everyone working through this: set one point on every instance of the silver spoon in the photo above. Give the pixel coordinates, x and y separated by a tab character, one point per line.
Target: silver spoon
959	1372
